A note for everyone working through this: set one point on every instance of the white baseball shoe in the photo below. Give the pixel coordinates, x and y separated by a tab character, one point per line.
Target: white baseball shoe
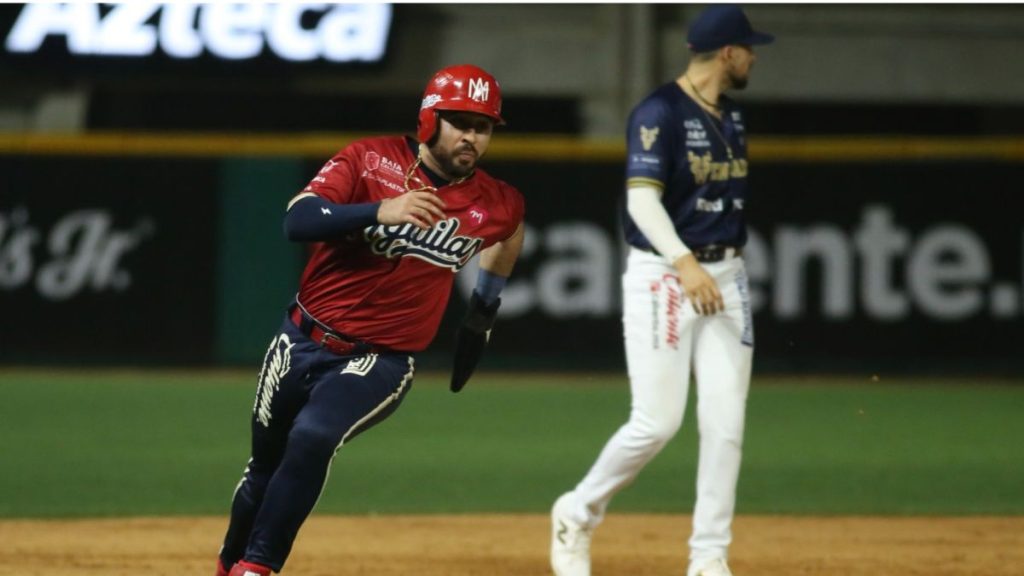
713	567
570	542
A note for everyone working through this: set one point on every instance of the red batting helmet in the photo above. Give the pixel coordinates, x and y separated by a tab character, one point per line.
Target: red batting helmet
465	88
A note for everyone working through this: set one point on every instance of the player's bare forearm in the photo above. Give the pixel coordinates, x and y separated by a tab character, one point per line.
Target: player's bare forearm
501	257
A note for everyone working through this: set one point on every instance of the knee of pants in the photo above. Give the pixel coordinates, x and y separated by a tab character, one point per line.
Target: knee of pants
655	431
307	442
257	479
725	431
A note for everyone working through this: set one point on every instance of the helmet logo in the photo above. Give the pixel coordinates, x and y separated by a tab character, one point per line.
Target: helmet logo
479	89
429	101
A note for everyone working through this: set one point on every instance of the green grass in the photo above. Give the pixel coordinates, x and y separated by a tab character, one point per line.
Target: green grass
158	442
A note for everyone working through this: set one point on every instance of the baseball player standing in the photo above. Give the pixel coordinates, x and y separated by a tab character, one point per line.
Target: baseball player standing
392	219
685	304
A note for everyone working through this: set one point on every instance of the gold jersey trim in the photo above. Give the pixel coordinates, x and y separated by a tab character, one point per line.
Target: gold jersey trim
642	181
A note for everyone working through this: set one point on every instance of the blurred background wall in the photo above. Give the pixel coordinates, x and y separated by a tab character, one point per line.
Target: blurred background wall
141	195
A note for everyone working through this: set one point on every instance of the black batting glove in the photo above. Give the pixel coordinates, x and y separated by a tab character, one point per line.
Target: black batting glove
471	338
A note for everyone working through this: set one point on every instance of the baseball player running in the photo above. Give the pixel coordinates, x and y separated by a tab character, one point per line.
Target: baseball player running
392	219
685	295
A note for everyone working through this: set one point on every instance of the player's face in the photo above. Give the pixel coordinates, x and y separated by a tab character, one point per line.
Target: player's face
462	141
739	60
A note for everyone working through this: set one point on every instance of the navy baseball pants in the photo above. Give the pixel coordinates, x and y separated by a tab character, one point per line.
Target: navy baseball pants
309	402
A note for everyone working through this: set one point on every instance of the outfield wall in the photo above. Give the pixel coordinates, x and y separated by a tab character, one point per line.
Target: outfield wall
866	255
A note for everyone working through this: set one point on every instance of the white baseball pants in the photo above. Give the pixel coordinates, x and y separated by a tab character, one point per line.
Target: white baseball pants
662	334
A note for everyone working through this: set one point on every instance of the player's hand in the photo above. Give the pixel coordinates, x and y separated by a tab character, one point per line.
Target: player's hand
421	208
698	286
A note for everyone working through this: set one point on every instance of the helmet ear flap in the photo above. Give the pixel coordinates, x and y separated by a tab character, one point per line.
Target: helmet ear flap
427	125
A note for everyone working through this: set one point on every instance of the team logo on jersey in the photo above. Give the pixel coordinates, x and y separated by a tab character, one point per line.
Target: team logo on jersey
704	168
440	245
360	366
477	215
648	136
276	365
700	166
479	89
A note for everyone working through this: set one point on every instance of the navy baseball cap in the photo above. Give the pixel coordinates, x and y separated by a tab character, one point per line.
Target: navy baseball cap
721	25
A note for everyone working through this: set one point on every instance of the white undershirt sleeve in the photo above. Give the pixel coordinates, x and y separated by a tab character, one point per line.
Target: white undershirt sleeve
644	205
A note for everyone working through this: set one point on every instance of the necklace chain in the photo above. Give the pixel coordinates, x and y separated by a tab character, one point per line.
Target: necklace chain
717	107
711	121
410	176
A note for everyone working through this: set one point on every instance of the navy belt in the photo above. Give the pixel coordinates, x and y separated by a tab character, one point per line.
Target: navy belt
707	254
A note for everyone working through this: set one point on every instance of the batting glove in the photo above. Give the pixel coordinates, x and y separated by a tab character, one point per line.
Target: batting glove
471	338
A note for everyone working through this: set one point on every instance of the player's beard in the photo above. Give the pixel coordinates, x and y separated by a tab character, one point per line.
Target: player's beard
736	81
446	160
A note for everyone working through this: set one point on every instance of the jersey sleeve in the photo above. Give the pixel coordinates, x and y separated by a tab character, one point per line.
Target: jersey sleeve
516	207
649	144
336	180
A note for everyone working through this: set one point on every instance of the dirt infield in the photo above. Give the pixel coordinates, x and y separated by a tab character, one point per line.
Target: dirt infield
631	545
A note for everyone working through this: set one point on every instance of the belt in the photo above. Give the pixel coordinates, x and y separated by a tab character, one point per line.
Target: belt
716	253
707	254
334	341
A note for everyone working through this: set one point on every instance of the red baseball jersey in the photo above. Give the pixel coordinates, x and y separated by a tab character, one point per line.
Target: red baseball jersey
389	285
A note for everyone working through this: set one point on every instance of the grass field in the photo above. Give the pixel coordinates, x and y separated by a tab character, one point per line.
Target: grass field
114	443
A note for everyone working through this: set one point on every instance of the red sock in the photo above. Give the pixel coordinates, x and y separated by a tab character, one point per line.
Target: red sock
221	570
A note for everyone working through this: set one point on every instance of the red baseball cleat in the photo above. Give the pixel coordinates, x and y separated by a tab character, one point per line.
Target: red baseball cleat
221	570
243	568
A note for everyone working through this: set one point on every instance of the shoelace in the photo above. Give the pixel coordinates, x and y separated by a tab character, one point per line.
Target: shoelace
577	537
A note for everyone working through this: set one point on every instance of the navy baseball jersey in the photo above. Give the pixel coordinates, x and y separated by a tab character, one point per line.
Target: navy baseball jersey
388	284
697	161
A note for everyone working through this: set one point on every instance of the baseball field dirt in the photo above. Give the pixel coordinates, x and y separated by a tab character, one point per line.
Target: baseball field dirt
516	545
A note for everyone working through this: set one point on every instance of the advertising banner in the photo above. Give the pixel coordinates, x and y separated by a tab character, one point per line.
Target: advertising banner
186	38
861	267
107	260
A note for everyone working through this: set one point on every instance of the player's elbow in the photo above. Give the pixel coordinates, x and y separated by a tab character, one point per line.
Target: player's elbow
293	230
